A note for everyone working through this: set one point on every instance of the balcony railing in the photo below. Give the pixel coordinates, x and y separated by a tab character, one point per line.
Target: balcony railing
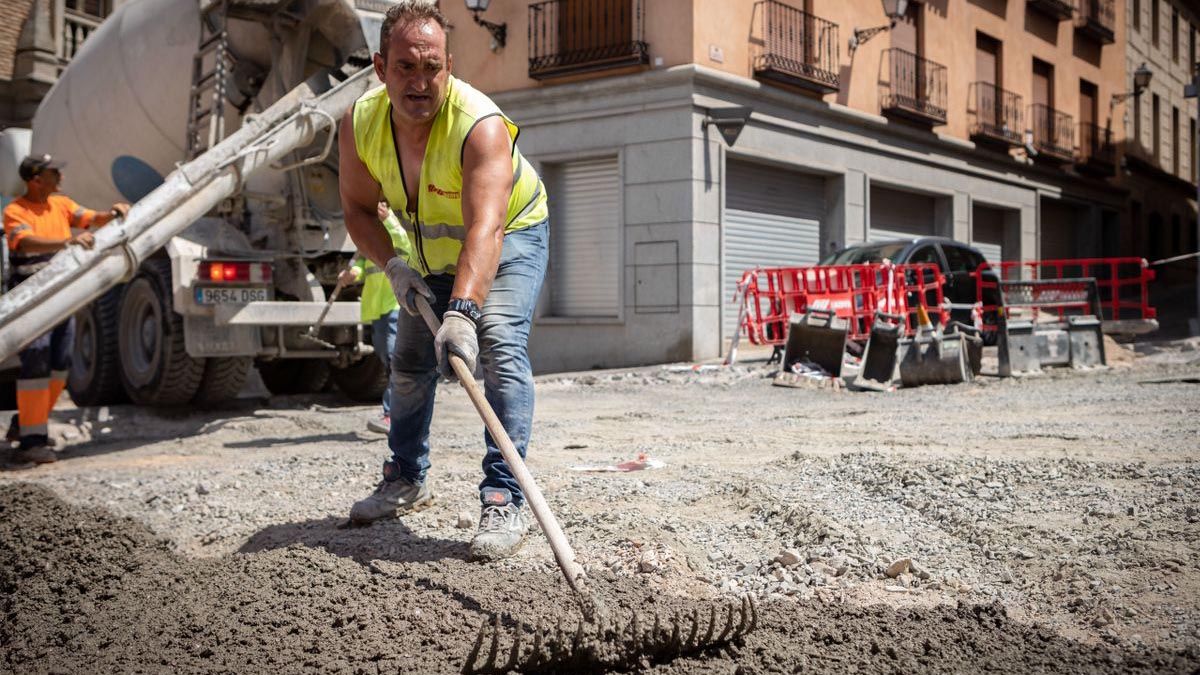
1053	133
797	48
76	28
1059	9
1096	153
575	36
997	114
1098	19
916	87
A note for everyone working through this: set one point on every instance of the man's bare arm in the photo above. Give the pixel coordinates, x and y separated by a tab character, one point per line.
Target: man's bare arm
360	198
487	184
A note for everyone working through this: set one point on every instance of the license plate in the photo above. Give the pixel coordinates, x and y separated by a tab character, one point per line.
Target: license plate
229	296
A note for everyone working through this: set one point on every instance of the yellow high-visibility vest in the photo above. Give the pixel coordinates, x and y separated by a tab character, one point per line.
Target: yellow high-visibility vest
435	223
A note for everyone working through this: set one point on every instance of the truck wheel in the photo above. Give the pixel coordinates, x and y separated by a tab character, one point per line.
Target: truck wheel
223	379
155	366
294	376
95	375
364	381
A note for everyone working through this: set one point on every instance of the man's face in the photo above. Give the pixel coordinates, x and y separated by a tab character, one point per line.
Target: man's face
416	71
49	179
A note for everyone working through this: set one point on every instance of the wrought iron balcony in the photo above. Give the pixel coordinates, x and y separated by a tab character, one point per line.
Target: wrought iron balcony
1053	133
997	115
797	48
1096	154
1098	19
915	89
576	36
1059	9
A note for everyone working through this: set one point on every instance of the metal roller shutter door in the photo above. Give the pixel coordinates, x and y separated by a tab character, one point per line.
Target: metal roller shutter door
900	215
987	233
585	274
772	219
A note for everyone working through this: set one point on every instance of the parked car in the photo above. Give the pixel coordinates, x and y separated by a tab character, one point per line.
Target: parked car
956	260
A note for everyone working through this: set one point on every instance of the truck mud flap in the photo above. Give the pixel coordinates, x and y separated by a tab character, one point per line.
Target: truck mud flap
817	336
881	357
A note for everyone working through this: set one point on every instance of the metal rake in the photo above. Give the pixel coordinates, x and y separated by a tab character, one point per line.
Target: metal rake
600	645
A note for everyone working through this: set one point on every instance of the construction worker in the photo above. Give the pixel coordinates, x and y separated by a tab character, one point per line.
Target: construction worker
445	157
379	307
38	225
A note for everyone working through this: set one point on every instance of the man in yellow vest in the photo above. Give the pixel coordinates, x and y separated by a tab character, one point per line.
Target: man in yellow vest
445	158
379	308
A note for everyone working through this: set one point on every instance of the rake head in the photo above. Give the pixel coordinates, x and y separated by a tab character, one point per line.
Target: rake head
600	645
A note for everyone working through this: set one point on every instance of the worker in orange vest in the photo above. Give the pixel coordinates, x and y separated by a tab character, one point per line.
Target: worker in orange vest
38	225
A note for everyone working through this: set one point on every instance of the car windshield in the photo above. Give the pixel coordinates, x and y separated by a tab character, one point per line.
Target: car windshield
868	253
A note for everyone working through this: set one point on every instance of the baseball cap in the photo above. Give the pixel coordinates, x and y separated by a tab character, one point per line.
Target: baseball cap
35	164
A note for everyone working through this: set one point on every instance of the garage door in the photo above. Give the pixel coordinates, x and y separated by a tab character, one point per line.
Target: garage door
1060	222
987	232
772	219
900	215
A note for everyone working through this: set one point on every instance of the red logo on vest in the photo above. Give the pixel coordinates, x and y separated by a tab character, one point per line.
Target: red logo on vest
444	193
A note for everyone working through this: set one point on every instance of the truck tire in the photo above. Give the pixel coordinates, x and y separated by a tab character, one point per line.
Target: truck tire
95	375
364	381
155	366
222	381
294	376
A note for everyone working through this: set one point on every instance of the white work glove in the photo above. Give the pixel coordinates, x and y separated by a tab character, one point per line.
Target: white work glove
406	285
456	336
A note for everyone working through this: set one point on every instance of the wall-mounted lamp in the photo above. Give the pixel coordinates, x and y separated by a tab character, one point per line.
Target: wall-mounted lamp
499	31
894	10
1141	80
728	121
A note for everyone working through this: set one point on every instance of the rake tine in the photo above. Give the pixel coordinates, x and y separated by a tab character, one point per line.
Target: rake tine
578	639
469	666
674	641
728	622
654	632
712	625
691	639
491	659
634	634
745	617
753	615
516	651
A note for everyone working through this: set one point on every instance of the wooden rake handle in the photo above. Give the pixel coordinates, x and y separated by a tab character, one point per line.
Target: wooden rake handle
563	553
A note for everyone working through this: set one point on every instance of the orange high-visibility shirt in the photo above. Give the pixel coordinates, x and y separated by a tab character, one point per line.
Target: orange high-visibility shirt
52	220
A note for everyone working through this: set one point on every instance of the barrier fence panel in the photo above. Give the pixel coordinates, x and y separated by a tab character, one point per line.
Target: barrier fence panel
853	292
1123	285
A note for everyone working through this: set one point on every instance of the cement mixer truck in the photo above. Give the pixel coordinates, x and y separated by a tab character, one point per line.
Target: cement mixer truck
215	118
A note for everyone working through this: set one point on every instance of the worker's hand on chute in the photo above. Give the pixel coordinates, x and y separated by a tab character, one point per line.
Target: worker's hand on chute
456	336
119	210
349	277
407	284
84	239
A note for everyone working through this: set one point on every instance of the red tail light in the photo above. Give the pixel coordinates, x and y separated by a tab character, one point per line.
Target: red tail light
236	272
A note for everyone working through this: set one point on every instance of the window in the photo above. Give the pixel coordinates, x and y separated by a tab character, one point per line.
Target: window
925	254
1191	48
960	259
1175	149
1156	129
584	273
1174	34
1154	22
1137	15
1192	149
1137	121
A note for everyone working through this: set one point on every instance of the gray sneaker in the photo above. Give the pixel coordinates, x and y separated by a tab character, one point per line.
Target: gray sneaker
502	526
393	497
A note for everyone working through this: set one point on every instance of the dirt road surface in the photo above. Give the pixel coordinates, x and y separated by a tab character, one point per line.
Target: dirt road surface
1049	523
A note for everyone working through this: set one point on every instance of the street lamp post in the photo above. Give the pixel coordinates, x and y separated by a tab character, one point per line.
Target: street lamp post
894	9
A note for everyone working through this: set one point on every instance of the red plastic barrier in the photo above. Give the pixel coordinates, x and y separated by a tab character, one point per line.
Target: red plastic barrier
853	292
1123	284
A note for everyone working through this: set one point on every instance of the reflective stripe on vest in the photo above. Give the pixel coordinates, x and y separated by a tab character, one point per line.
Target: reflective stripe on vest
436	229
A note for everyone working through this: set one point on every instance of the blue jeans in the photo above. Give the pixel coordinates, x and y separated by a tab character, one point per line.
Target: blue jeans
503	341
383	339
